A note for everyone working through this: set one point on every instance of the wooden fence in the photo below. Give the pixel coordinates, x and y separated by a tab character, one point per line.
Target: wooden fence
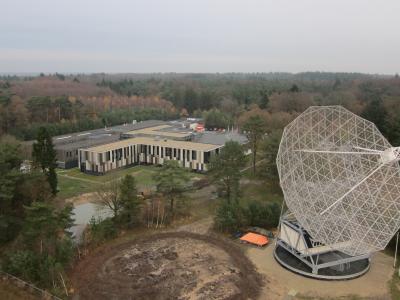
23	285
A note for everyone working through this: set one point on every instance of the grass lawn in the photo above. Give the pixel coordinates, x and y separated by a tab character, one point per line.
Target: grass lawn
70	187
73	182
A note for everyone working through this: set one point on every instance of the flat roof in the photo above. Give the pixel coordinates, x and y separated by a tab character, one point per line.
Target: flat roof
153	142
162	130
79	137
90	142
220	138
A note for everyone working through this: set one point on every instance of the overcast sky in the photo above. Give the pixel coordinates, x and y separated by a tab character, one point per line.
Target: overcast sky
200	36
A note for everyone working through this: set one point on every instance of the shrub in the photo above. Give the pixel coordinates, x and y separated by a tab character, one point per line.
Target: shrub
229	217
22	264
101	230
263	214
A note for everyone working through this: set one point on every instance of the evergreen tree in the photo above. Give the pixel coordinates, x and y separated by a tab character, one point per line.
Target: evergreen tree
10	177
375	112
214	118
47	247
393	130
294	89
44	156
191	100
264	99
255	129
225	170
171	181
229	216
130	202
269	149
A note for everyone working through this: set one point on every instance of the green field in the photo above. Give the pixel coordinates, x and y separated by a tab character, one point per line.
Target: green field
71	187
73	182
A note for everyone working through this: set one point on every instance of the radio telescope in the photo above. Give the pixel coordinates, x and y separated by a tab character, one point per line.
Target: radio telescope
341	183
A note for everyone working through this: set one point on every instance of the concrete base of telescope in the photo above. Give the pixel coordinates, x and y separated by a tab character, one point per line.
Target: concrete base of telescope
340	271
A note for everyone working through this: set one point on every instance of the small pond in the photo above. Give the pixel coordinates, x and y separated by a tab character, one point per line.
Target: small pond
82	215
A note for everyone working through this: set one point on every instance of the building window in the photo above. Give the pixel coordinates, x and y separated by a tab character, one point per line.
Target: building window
168	152
194	155
206	157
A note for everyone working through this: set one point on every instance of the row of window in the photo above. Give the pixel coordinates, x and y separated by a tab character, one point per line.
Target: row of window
118	154
70	153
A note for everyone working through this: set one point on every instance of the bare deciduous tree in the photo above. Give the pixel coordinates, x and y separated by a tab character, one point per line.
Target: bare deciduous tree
108	196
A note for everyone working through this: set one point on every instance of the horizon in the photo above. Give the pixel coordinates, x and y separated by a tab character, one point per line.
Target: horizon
37	74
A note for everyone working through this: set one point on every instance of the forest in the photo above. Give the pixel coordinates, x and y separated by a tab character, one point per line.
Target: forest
70	103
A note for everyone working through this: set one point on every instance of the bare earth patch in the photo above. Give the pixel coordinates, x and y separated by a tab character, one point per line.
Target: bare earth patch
176	265
281	282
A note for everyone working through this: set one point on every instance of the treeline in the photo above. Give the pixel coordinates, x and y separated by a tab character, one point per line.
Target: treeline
106	118
65	114
205	91
79	102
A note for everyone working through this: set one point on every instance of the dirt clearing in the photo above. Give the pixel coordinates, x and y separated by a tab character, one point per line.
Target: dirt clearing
176	265
281	282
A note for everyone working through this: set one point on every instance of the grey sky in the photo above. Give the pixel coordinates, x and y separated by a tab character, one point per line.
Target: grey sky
200	36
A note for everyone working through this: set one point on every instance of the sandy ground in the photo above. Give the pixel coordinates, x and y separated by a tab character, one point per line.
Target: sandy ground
170	265
283	284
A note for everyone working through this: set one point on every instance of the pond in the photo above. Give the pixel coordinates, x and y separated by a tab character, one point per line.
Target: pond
82	215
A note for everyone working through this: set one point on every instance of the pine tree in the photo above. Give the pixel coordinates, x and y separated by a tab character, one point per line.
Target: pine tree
225	169
130	201
44	156
376	113
171	181
269	150
255	129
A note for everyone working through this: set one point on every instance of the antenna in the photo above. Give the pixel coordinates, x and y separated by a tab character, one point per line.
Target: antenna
341	180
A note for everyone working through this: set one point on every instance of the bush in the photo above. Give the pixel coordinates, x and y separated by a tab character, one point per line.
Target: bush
40	269
22	264
101	230
229	217
263	214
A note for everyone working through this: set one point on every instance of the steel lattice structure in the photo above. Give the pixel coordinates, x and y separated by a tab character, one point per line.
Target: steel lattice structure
341	179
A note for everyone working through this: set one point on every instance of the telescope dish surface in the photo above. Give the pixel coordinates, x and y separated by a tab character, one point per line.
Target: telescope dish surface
341	179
